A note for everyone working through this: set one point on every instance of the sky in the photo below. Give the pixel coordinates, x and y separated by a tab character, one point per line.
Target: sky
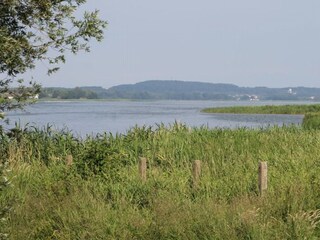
273	43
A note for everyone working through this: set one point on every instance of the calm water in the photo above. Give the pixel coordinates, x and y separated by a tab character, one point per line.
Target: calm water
90	117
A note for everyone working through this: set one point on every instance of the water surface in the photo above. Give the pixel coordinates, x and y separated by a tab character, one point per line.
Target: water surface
91	117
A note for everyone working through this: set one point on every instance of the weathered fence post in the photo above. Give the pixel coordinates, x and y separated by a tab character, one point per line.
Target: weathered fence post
263	178
196	172
69	160
143	169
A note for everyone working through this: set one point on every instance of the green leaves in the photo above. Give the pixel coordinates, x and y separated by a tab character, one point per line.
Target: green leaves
41	30
28	29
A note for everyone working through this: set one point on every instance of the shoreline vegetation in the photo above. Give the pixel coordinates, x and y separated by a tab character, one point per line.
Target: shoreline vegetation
311	112
101	196
183	90
85	100
267	109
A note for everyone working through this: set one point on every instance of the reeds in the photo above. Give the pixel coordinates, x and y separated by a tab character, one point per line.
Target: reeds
101	195
268	109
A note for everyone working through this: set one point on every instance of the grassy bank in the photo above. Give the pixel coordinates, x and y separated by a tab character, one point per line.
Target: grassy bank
268	109
102	197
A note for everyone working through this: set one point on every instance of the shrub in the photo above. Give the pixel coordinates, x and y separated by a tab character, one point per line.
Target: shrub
4	202
311	121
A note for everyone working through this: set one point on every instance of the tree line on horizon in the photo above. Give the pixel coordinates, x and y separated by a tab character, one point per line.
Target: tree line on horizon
180	90
68	93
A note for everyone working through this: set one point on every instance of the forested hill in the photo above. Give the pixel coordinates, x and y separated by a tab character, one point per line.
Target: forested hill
158	86
172	90
183	90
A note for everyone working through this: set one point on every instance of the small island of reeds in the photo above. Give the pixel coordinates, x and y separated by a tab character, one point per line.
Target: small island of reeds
311	112
267	109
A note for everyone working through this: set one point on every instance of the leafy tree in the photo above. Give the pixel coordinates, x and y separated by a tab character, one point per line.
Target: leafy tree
39	30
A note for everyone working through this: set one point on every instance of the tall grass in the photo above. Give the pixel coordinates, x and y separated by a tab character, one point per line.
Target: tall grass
311	112
267	109
102	197
311	121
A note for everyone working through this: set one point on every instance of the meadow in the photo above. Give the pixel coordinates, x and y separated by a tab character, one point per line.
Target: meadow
101	195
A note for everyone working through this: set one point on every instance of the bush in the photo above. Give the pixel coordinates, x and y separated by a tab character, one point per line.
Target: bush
4	202
311	121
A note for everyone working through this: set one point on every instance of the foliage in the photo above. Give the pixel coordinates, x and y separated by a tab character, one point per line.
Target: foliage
180	90
4	184
4	203
64	93
268	109
311	121
101	196
185	90
42	30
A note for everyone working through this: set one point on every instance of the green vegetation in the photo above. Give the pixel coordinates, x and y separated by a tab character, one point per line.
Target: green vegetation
32	31
268	109
66	93
42	30
101	196
183	90
311	119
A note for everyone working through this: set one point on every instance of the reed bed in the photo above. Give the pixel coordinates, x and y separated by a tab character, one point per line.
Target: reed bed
101	195
267	109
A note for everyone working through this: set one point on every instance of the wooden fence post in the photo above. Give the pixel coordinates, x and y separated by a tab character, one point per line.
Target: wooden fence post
69	160
143	169
196	172
263	178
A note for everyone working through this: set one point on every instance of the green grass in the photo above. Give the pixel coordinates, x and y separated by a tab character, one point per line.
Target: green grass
102	197
311	121
311	112
268	109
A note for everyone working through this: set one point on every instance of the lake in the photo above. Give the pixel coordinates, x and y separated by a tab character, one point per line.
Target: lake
91	117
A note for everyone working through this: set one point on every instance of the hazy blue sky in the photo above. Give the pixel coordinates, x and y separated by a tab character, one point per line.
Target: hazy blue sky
274	43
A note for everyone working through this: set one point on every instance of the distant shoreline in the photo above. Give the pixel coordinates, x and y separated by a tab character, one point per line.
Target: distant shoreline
83	100
182	90
152	100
